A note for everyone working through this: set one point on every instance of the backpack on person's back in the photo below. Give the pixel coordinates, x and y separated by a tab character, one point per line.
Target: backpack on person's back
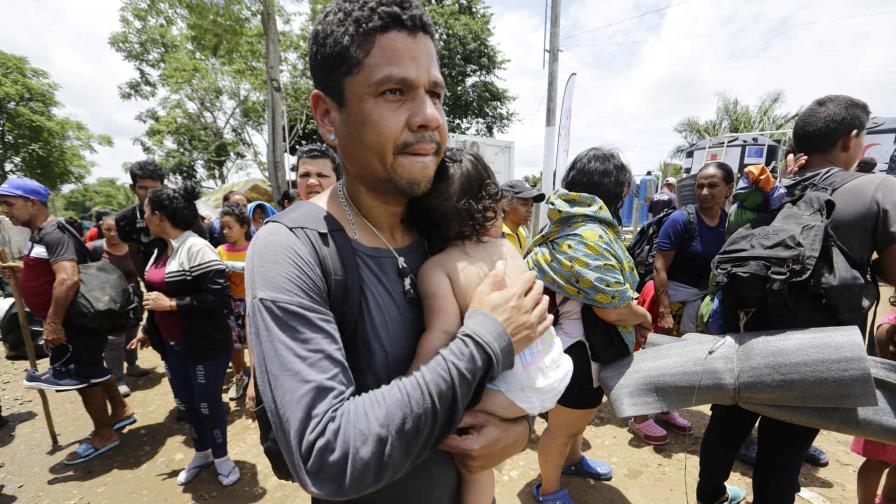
340	269
643	245
786	269
105	303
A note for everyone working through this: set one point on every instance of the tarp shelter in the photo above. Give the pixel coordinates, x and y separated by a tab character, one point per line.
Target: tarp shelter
256	189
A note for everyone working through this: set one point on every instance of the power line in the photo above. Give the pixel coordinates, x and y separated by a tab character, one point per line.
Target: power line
614	23
730	33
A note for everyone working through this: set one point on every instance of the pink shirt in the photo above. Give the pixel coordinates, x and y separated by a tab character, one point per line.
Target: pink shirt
167	321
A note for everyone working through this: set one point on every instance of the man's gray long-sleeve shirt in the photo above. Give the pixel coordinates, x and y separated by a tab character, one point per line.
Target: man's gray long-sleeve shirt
378	446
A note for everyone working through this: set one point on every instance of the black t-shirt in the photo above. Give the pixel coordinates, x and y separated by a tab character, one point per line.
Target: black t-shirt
132	229
661	202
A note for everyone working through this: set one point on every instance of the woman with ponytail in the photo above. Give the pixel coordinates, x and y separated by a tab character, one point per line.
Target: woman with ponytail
187	293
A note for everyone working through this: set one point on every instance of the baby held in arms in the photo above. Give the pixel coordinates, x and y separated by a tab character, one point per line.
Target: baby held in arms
460	218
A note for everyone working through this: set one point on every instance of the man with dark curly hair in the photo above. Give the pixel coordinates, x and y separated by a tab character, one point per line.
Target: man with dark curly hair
389	436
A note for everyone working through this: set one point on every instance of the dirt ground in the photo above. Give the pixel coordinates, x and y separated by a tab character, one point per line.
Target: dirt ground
143	467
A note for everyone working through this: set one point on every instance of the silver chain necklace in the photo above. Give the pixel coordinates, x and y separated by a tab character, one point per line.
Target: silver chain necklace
404	272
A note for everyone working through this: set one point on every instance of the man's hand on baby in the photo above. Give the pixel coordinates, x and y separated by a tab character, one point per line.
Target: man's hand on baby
486	441
520	305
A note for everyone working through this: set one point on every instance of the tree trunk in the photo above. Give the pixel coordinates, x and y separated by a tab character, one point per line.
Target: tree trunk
275	152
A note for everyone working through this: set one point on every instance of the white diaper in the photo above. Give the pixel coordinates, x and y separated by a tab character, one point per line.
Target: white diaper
539	376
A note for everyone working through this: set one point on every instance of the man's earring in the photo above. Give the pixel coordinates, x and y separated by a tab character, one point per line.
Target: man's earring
332	137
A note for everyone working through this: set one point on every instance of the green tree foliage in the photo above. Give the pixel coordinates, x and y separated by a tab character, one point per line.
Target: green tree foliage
476	103
36	139
734	116
201	65
666	169
533	180
83	199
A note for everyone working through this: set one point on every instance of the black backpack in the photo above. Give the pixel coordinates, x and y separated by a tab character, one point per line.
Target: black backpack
786	269
340	267
643	245
105	303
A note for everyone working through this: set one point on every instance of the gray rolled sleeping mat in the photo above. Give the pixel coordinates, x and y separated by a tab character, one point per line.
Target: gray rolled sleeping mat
814	377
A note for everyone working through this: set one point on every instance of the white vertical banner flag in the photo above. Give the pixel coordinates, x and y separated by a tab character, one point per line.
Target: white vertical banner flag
563	135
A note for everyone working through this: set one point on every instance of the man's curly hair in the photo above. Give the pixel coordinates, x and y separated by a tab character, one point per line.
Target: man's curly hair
463	203
345	32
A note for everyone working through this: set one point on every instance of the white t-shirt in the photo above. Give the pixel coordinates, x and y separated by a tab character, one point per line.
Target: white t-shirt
569	326
570	329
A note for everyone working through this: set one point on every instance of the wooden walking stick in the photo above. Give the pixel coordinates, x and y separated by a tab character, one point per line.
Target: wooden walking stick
26	336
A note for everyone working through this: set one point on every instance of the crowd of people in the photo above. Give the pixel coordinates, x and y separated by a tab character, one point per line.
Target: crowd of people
394	324
187	273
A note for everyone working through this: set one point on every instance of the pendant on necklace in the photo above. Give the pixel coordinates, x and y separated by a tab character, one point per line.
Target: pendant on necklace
405	273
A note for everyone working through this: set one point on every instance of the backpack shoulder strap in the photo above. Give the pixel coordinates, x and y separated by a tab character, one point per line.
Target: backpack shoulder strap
340	267
828	180
84	254
691	211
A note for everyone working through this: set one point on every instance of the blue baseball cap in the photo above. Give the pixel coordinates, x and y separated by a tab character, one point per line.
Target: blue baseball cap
25	188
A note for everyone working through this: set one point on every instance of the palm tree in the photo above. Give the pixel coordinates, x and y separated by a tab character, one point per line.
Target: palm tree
734	116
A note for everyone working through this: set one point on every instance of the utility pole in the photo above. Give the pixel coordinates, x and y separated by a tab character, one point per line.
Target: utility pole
550	123
276	165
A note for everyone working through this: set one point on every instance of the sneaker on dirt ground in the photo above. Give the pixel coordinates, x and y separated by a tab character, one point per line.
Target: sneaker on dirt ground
238	387
56	378
817	457
124	389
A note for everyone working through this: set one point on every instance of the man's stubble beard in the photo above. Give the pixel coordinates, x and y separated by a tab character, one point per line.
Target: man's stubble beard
409	188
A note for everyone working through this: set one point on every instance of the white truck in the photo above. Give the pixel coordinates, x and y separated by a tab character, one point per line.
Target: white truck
497	153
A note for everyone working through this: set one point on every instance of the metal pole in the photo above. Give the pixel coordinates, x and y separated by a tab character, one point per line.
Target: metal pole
276	165
550	123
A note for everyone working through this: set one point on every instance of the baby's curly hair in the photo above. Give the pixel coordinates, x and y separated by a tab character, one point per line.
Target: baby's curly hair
463	203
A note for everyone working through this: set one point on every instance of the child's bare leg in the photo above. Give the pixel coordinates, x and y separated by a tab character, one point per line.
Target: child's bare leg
888	493
868	480
477	487
496	403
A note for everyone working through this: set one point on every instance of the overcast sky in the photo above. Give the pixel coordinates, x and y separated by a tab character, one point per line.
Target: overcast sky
636	78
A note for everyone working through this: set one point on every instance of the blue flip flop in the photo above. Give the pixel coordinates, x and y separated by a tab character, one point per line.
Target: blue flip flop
124	422
87	451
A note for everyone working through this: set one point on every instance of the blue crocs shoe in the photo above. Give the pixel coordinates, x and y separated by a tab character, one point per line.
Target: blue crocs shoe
559	497
736	494
589	468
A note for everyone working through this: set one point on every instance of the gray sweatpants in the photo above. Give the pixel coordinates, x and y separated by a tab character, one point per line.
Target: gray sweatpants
116	354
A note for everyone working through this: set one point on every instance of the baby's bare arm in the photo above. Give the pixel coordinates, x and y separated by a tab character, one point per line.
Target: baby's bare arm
441	314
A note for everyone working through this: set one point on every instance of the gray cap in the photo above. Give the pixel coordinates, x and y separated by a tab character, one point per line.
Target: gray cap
520	189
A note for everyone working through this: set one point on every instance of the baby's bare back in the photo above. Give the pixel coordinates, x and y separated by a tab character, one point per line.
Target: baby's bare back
467	263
